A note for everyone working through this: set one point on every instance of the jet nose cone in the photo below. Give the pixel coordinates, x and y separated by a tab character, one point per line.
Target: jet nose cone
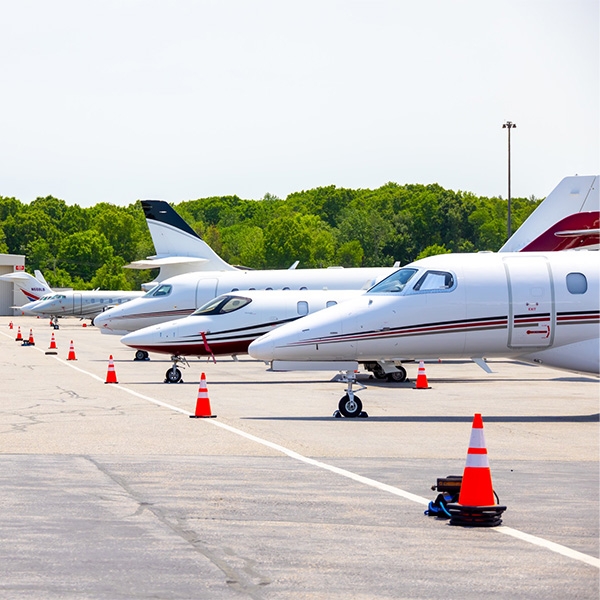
102	320
134	339
262	348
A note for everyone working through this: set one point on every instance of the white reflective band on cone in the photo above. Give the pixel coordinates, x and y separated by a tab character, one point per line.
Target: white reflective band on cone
477	440
477	460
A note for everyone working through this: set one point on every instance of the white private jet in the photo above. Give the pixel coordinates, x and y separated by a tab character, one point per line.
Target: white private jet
81	303
535	307
53	304
74	303
180	295
228	323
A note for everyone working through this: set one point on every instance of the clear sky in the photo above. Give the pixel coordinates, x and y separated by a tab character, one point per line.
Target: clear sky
119	100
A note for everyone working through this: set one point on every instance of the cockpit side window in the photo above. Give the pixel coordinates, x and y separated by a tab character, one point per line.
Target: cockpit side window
162	290
234	303
435	281
222	305
151	291
394	282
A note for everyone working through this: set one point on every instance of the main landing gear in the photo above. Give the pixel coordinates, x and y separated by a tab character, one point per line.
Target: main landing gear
173	375
350	405
141	355
387	370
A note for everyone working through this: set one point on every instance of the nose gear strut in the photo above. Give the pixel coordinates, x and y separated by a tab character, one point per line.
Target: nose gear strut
173	375
350	405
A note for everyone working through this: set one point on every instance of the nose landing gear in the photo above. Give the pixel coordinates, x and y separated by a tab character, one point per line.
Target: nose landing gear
173	375
350	405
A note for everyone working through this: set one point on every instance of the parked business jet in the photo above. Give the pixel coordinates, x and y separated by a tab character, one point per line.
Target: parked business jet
535	307
180	296
228	323
81	303
53	304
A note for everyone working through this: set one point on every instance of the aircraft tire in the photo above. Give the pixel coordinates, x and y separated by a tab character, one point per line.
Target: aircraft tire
349	407
398	376
173	375
141	355
378	372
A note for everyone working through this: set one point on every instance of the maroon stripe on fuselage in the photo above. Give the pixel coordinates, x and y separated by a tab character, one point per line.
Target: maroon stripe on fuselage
198	348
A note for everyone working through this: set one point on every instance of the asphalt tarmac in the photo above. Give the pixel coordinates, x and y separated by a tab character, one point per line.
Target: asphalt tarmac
111	491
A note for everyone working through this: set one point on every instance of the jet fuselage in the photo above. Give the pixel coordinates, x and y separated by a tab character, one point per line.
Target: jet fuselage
541	307
179	296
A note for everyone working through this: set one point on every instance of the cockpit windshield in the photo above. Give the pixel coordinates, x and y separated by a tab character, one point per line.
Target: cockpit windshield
394	282
222	305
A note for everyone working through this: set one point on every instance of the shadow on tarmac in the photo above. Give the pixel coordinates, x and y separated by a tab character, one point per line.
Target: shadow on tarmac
594	418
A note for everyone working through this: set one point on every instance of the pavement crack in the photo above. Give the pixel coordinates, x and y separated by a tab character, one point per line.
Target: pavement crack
245	579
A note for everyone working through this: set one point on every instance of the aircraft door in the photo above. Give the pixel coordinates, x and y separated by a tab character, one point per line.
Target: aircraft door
532	310
76	304
206	289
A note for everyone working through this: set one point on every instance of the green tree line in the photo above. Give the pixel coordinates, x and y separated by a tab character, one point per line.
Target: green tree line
86	248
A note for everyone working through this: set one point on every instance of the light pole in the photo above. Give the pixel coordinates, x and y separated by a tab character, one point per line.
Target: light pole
509	125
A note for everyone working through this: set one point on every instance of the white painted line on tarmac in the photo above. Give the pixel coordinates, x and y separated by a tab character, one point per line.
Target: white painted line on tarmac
316	463
526	537
532	539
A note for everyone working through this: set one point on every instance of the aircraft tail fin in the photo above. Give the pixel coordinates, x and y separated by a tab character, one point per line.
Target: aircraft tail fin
32	289
178	248
569	217
38	275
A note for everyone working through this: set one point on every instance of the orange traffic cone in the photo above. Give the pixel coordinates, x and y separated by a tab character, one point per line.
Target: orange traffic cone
10	325
111	375
19	337
476	501
30	341
421	383
71	352
52	349
203	403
